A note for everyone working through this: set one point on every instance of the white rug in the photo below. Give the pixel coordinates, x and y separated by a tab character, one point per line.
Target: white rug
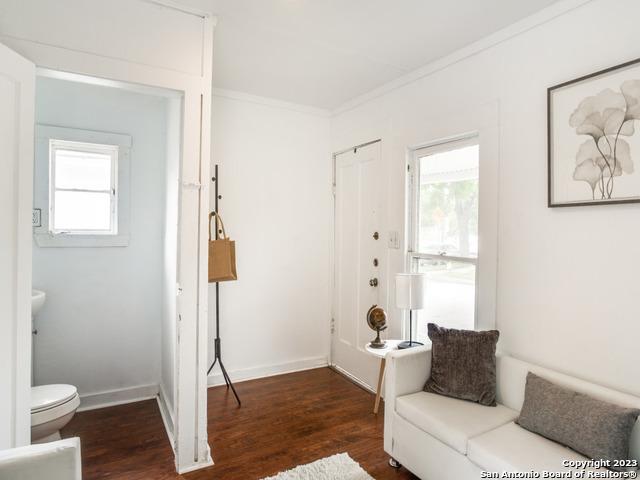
336	467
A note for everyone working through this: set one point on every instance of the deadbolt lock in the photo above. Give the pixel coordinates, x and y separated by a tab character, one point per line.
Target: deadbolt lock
375	262
376	235
373	282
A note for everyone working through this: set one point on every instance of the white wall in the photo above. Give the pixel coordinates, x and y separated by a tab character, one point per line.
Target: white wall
275	173
567	288
100	327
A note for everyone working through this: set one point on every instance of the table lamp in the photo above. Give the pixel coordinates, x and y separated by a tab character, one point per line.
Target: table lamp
410	295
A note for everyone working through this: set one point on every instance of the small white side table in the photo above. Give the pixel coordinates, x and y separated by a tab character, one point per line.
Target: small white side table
381	353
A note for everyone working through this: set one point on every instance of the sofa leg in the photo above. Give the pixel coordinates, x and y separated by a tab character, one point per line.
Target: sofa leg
394	463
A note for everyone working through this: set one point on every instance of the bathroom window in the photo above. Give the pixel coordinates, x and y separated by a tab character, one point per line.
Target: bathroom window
445	187
83	190
82	187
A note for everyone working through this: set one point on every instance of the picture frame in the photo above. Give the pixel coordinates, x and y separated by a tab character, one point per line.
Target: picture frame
593	138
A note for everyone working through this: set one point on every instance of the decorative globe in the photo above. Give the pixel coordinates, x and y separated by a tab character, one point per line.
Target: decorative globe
376	318
377	321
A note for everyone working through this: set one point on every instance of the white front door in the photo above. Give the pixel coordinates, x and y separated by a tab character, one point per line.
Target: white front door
17	96
358	257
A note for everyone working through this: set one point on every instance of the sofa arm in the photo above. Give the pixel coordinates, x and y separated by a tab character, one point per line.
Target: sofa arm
406	372
54	461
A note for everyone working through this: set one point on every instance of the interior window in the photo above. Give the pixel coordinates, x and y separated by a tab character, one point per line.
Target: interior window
83	190
445	181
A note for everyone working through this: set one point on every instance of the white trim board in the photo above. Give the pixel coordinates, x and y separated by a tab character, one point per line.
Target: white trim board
254	373
167	416
528	23
111	398
193	468
354	379
270	102
46	132
103	82
162	393
181	7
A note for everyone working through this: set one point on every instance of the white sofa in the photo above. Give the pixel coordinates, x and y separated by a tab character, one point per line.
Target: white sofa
440	438
45	461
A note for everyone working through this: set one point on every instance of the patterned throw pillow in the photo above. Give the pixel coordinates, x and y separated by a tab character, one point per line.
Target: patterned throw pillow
463	364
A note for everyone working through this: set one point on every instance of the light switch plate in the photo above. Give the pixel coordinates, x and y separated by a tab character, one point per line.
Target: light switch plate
36	217
394	240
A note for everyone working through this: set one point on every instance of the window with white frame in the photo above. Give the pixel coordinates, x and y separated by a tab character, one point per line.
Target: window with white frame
83	193
444	231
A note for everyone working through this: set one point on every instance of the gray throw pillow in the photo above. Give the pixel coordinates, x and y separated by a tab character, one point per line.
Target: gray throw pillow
463	364
596	429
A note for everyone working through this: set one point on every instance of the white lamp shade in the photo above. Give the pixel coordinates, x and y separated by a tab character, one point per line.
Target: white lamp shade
410	290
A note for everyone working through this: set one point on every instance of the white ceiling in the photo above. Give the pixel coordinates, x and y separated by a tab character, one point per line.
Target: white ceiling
325	52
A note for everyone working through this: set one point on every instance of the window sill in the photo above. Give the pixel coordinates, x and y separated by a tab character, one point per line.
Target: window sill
47	240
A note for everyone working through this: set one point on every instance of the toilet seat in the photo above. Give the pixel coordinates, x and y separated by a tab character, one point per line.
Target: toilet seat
44	397
55	413
51	402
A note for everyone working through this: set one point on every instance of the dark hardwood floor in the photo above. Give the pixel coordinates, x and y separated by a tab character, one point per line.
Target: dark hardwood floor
284	421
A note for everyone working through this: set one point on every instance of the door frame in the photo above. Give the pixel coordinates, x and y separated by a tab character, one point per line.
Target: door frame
16	419
334	272
190	429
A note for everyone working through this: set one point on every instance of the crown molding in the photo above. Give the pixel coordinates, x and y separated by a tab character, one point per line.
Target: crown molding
270	102
180	7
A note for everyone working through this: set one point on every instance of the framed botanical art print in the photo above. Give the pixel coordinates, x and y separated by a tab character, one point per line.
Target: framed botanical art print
594	138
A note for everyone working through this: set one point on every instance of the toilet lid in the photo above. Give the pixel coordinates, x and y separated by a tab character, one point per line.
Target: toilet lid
44	397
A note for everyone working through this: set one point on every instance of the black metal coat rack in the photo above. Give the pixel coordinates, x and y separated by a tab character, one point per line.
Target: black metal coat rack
216	343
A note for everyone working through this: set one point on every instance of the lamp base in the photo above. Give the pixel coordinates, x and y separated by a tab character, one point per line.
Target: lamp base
409	344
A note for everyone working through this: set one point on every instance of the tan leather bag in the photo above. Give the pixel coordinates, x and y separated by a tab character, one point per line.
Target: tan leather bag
222	254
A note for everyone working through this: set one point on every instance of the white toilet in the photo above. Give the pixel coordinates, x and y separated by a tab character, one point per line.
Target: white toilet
52	407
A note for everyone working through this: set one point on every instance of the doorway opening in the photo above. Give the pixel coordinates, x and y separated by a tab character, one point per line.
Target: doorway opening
105	247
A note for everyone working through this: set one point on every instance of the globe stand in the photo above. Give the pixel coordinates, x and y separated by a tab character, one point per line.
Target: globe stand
377	342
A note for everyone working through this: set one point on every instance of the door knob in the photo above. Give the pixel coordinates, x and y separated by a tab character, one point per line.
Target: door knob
373	282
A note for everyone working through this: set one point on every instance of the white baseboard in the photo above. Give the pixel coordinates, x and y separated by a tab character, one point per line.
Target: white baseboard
110	398
167	415
353	378
197	466
243	374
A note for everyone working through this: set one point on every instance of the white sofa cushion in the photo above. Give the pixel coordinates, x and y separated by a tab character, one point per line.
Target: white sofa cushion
450	420
512	448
